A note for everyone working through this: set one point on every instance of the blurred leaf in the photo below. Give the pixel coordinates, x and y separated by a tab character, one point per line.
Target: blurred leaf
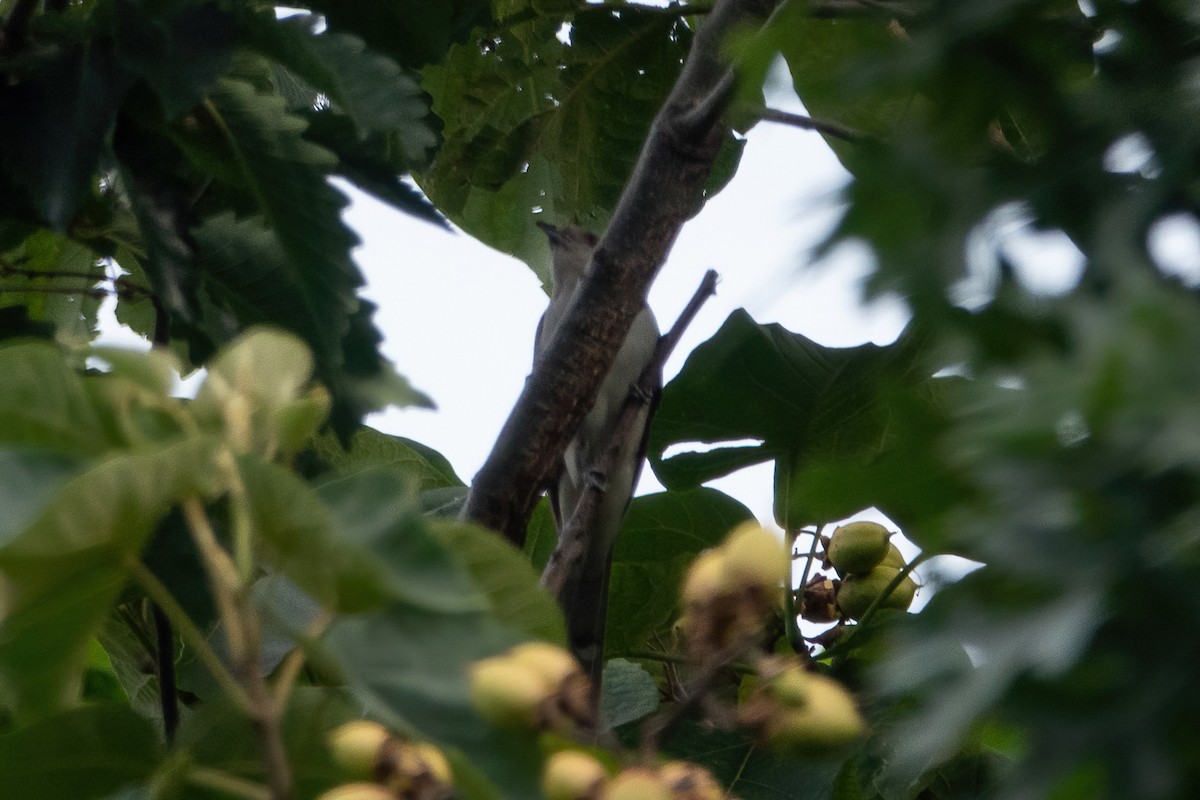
53	279
503	573
84	753
369	448
64	571
31	479
661	535
55	120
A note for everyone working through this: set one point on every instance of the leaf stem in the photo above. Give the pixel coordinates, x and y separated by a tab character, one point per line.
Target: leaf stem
230	784
191	634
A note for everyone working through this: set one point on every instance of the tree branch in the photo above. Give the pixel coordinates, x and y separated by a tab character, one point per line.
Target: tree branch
666	188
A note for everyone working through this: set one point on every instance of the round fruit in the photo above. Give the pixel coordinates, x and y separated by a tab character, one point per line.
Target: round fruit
827	721
703	580
893	558
858	592
790	687
637	784
356	745
549	661
506	692
857	547
754	557
435	762
358	791
572	775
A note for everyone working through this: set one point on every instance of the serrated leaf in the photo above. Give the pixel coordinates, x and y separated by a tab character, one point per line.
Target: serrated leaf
80	754
369	88
661	535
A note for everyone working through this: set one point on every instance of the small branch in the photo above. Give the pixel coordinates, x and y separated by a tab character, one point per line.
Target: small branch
293	662
192	635
164	657
222	576
654	728
809	124
572	540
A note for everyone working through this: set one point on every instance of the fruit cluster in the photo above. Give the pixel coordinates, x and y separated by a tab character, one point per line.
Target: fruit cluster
534	686
576	775
386	766
730	590
868	562
802	713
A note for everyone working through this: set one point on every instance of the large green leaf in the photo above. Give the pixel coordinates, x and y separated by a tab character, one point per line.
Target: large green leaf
369	448
65	570
659	538
30	480
802	401
81	754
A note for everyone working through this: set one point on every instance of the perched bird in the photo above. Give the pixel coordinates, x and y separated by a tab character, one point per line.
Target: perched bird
584	595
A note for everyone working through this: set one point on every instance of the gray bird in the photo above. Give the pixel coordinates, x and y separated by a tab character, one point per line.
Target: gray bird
584	596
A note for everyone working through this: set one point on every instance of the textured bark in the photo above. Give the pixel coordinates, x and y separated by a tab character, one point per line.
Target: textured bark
665	189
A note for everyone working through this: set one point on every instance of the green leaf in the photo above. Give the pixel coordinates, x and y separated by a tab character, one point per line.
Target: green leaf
369	448
802	400
369	88
413	32
629	693
179	52
64	571
504	574
53	278
409	665
55	119
376	512
88	752
43	402
31	479
661	535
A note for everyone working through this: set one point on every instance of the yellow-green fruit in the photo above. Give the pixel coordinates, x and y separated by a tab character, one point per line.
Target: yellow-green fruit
858	592
790	687
827	721
358	791
857	547
435	761
507	692
355	746
754	557
572	775
637	784
550	662
704	578
687	781
893	558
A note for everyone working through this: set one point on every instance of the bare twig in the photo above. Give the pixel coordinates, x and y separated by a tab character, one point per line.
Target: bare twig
572	540
809	124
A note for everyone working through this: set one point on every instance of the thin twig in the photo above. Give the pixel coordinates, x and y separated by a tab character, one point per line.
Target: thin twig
571	542
293	662
192	635
826	127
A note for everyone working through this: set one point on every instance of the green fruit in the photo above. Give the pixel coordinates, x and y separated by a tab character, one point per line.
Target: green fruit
549	661
358	791
790	688
506	692
754	557
827	721
637	784
687	781
893	558
858	547
571	775
858	592
355	746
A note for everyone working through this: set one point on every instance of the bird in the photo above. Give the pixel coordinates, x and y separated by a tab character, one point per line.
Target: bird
584	594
